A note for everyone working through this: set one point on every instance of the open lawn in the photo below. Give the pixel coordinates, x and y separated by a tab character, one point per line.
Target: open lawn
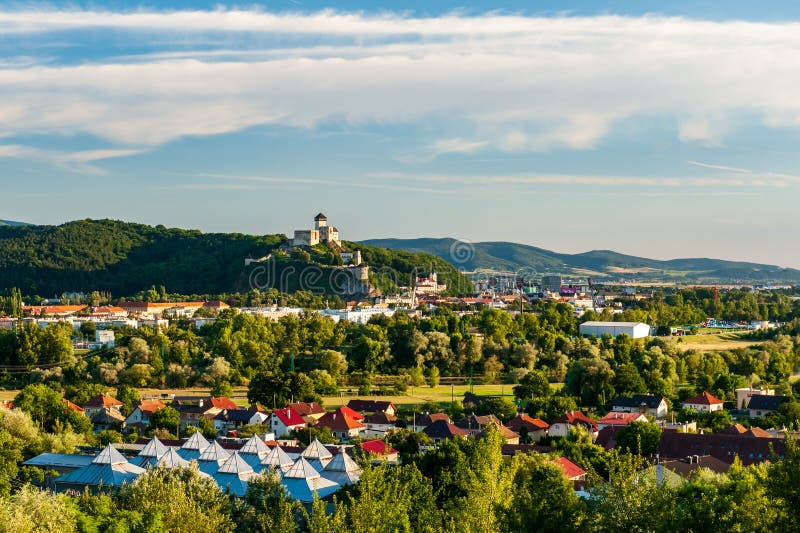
414	396
716	342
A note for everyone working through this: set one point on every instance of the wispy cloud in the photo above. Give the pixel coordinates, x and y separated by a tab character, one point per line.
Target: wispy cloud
721	167
519	179
78	162
233	182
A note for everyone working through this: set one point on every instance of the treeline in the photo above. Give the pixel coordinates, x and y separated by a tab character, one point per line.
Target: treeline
685	307
124	258
462	485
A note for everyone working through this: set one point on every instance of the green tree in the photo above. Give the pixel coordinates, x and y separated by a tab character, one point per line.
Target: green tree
48	410
591	379
167	418
639	437
542	498
178	500
268	388
129	396
267	507
533	385
433	376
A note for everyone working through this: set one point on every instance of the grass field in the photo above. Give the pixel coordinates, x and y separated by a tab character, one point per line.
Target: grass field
414	396
715	342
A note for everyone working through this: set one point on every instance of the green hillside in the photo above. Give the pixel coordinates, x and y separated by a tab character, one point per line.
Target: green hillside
603	264
12	223
124	258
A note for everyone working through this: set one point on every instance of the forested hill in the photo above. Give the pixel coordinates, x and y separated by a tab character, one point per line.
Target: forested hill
125	258
602	264
12	223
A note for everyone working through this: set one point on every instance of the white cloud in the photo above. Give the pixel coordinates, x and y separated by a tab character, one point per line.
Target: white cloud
78	162
517	83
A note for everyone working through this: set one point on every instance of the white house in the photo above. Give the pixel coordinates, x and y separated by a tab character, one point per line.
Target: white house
634	330
285	420
703	403
140	416
651	404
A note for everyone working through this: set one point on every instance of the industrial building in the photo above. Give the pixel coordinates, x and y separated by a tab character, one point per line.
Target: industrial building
634	330
551	282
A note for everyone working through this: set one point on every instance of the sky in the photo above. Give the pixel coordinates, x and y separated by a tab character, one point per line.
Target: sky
658	129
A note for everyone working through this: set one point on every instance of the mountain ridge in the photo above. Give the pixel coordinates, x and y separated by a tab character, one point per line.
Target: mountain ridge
124	258
603	264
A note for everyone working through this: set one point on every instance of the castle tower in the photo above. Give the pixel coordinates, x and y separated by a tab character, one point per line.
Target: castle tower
320	221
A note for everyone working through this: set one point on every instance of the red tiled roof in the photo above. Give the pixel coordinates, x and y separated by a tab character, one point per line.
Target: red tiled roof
734	429
151	406
339	420
107	309
702	399
103	400
576	417
52	309
70	405
571	470
355	415
523	420
307	408
378	447
618	419
759	433
223	403
289	417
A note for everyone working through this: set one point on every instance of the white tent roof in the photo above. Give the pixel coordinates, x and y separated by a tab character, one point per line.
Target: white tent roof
342	469
196	442
301	470
278	458
316	450
154	448
342	462
235	465
214	452
109	456
255	446
171	459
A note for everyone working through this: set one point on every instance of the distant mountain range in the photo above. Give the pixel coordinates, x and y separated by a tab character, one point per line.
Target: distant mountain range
12	223
600	264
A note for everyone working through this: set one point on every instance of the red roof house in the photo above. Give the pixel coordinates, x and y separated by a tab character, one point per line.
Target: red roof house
615	419
703	402
571	471
285	420
341	424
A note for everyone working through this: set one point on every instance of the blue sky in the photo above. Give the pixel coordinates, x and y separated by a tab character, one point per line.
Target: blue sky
651	129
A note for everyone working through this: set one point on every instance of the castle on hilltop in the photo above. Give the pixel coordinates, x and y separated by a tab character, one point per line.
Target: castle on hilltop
322	232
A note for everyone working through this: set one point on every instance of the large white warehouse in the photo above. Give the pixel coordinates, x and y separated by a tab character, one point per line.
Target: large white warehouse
634	330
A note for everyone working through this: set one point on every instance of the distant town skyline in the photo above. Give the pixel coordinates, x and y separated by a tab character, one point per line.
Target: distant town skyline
651	130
